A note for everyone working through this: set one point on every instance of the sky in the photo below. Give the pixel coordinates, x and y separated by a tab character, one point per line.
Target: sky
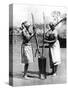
23	12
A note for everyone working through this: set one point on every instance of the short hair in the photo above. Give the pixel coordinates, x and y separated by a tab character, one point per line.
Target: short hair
23	23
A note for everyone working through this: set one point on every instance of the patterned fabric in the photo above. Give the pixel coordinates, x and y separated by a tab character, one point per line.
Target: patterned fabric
55	52
26	48
27	53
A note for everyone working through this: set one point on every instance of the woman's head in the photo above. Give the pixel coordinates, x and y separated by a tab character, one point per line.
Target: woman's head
23	23
52	37
51	26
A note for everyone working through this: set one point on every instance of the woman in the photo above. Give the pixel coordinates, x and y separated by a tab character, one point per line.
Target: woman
26	48
54	52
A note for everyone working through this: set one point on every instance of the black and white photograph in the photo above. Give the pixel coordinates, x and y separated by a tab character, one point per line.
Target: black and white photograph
37	45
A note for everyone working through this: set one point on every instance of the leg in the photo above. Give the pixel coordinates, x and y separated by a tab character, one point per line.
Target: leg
54	69
25	69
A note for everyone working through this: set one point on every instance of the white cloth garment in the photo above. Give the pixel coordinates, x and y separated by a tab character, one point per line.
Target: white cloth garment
27	53
26	49
55	51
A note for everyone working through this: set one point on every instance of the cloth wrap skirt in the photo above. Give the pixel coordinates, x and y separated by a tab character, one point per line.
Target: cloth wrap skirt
26	53
55	53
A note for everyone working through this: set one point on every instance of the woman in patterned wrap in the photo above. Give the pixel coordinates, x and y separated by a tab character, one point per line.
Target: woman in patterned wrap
26	48
54	51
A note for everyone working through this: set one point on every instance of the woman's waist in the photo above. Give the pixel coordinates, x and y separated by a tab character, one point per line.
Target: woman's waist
26	44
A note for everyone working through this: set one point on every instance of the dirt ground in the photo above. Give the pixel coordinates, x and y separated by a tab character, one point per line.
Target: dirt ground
18	80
